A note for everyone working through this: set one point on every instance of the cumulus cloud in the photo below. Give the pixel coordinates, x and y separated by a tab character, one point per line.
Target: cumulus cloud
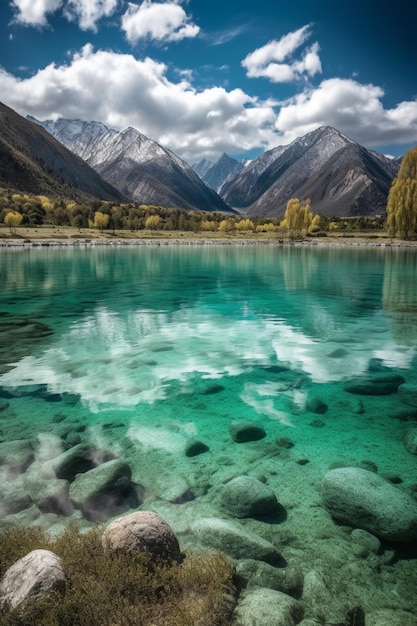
88	12
122	91
160	21
35	12
85	12
276	61
354	108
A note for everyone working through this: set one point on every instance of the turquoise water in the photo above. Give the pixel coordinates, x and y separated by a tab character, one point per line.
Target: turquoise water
140	349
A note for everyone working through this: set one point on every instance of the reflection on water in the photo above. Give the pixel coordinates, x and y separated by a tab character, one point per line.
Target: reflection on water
126	325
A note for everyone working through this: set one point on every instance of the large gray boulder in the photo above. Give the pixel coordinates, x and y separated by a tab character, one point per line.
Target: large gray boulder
245	496
38	572
267	607
142	531
16	455
104	491
235	540
76	460
362	499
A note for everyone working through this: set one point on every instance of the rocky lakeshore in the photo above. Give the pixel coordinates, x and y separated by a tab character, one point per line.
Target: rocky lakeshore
311	542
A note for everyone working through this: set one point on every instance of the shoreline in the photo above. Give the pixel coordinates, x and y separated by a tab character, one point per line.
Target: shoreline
76	243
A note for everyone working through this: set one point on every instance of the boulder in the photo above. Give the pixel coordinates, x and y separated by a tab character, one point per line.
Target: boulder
235	540
366	540
315	405
410	440
194	447
104	491
38	572
242	432
380	384
77	460
252	573
16	455
359	498
50	495
408	394
267	607
13	496
246	496
143	531
390	617
324	598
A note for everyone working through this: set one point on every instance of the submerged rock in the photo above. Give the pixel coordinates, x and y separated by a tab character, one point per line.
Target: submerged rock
16	455
77	460
390	617
194	447
410	440
252	573
235	540
408	394
243	432
315	405
143	531
104	491
380	384
246	496
38	572
267	607
357	497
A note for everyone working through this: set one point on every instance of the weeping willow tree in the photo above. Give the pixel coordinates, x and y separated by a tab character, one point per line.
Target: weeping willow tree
402	199
297	218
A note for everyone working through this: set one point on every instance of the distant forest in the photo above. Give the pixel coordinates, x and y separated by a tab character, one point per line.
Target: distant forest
37	210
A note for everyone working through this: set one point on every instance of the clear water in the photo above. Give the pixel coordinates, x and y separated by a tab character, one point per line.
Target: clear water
140	349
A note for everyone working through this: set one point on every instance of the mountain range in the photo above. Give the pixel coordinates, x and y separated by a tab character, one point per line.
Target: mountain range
33	161
341	177
141	169
80	159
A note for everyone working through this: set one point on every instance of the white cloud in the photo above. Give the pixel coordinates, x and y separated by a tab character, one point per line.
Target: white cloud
353	108
35	12
160	21
88	12
85	12
122	91
268	61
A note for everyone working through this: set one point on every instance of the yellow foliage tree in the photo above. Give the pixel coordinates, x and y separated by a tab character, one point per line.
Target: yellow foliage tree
152	222
297	218
402	199
13	219
101	220
245	225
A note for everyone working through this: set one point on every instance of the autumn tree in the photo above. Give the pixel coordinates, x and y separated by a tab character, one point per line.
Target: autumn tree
101	220
297	218
152	222
13	219
402	199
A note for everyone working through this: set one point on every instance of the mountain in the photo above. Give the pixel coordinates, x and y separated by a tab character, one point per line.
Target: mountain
138	167
341	177
33	161
214	175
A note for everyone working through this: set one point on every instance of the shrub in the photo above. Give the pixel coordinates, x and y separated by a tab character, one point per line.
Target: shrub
120	588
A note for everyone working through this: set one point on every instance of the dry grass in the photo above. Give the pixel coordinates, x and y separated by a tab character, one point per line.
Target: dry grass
123	588
69	234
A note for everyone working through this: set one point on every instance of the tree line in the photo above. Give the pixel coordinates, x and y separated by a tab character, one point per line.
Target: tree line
299	221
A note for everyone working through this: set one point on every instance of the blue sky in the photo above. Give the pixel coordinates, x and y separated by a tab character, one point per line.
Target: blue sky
204	77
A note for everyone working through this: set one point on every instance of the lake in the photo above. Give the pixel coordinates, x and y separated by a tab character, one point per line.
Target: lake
157	355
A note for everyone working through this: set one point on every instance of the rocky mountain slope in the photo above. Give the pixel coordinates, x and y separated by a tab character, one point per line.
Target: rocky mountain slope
33	161
138	167
215	174
341	177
